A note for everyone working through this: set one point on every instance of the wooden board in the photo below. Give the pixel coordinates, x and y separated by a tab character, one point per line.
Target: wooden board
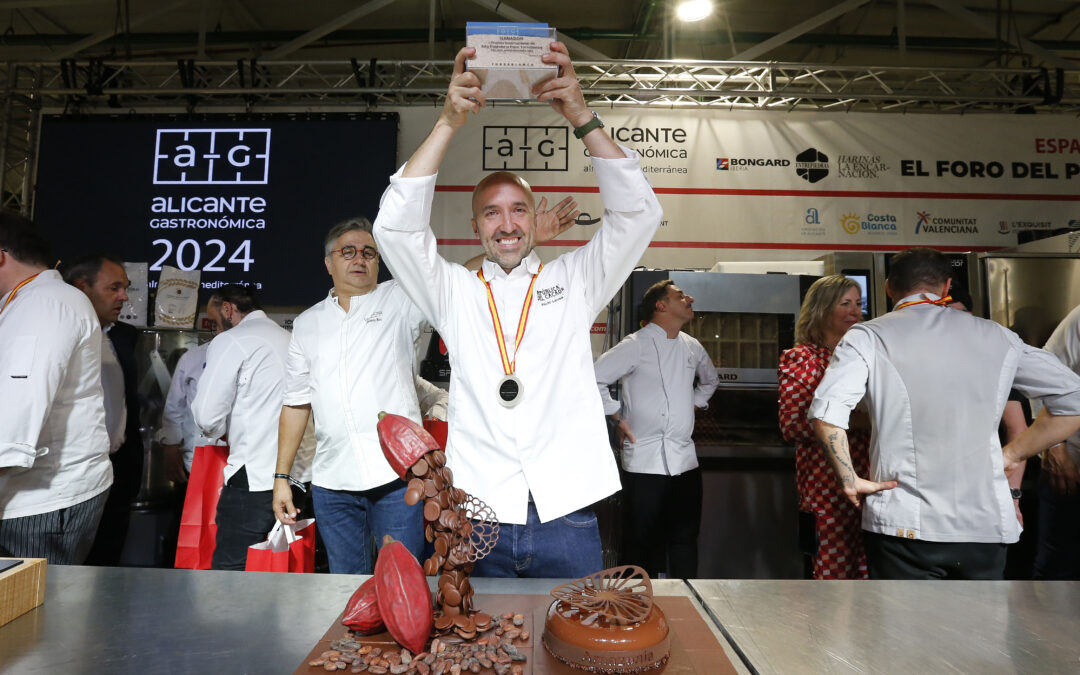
694	648
22	588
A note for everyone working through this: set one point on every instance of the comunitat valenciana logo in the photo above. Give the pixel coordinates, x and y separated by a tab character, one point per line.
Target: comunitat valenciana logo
928	223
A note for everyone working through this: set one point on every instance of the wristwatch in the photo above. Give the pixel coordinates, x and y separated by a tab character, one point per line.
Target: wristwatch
595	122
1016	493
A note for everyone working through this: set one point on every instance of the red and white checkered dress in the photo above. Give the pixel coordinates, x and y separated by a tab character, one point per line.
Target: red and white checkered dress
840	551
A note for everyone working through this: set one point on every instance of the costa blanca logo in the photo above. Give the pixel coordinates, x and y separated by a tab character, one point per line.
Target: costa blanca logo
873	223
811	165
850	223
212	157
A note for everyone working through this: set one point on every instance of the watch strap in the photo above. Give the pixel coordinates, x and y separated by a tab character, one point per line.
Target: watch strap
594	123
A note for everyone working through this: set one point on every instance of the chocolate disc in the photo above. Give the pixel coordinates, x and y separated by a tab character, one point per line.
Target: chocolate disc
416	484
451	594
413	496
430	488
482	620
448	475
420	468
431	567
439	481
466	528
442	622
429	534
441	544
444	499
438	458
448	519
432	510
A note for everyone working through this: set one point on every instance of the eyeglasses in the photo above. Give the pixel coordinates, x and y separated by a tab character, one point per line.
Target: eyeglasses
349	252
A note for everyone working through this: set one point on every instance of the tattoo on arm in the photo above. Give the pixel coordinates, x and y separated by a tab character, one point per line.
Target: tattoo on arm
837	445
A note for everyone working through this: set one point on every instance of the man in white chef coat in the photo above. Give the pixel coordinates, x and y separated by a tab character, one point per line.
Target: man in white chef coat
936	504
665	375
54	450
240	396
527	433
351	357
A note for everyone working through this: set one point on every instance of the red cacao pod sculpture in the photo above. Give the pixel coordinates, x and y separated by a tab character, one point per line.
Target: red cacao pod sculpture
403	441
403	595
362	610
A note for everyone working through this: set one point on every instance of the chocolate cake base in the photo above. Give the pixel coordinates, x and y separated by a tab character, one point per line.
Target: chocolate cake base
694	649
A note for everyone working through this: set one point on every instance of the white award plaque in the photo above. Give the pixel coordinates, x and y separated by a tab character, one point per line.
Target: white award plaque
508	59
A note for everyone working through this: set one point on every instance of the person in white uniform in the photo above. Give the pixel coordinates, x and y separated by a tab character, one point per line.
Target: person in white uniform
351	357
665	375
104	280
240	396
55	472
179	437
526	429
1057	554
937	502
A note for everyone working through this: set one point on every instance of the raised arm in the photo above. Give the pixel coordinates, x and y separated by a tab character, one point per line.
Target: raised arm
462	97
564	95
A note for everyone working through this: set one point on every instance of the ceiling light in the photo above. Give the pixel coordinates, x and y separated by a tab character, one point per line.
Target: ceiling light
693	10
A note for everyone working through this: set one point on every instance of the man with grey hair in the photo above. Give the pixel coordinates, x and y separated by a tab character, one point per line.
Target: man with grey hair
351	356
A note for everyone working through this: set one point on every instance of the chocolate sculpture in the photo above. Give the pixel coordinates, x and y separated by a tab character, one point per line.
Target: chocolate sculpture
462	528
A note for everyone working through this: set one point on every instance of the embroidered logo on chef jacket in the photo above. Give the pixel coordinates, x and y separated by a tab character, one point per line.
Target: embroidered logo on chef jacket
374	316
212	157
546	296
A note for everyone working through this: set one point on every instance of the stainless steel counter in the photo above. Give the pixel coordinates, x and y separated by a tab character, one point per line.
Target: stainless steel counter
900	626
131	620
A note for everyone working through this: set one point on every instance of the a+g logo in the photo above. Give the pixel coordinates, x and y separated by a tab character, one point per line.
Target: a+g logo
212	157
525	149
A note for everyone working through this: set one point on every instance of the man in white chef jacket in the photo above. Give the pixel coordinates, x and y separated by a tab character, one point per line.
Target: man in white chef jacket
665	375
351	357
54	450
936	503
240	396
526	433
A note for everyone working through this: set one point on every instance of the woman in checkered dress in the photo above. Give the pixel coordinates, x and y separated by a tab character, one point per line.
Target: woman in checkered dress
832	305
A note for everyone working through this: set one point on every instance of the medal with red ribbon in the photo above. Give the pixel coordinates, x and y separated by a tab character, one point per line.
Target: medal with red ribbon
15	291
940	302
510	388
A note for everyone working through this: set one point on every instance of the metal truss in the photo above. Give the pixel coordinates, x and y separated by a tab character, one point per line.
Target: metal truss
249	85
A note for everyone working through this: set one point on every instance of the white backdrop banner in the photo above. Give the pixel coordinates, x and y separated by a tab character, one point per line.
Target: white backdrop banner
738	185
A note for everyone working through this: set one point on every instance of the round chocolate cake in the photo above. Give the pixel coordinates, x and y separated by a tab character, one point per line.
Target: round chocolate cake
607	623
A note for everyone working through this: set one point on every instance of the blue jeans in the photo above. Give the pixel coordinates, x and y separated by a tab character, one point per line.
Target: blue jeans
566	547
348	520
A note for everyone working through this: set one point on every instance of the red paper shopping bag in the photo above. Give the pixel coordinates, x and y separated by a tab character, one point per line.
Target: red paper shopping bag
288	548
198	523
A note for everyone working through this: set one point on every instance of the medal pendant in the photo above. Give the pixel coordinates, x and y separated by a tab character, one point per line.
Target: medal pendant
510	390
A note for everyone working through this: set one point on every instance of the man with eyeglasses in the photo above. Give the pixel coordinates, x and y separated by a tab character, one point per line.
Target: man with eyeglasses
527	433
351	356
